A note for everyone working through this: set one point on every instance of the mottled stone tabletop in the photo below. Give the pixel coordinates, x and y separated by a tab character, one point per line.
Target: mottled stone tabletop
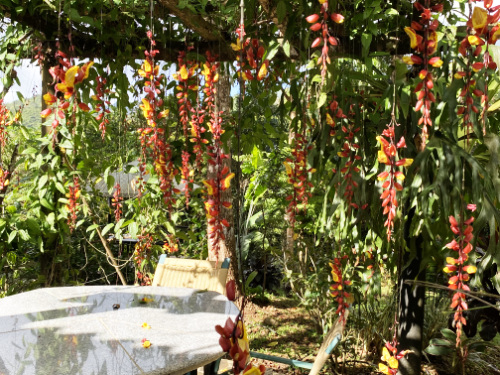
98	330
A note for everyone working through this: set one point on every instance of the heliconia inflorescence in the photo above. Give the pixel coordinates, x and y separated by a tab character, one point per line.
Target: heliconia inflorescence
297	172
63	105
338	291
116	201
391	358
102	104
253	52
170	245
424	41
234	341
392	177
187	81
349	151
72	206
186	78
458	269
320	23
482	28
66	76
153	138
221	178
6	120
142	252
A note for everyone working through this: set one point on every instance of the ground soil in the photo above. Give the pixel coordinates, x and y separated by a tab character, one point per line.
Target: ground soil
282	328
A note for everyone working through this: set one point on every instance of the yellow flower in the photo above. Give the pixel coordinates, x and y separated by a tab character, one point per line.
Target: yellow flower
288	168
385	355
413	37
474	40
49	99
383	369
210	189
382	157
243	341
479	18
226	183
407	60
146	325
329	119
69	77
146	343
408	162
184	73
147	67
437	63
146	108
393	362
237	46
262	71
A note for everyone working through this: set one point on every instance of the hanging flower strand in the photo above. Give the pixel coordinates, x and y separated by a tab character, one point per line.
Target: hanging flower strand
457	269
102	104
253	52
116	201
297	172
66	77
391	357
73	207
152	137
320	24
392	177
349	151
186	77
338	291
221	179
424	40
482	29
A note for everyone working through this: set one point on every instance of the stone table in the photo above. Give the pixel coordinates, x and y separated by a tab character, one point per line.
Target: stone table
98	330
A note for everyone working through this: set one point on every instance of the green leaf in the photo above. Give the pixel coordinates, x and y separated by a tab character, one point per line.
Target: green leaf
494	107
281	11
170	227
107	228
45	203
133	229
119	224
322	99
92	227
366	40
110	181
42	181
286	48
249	279
439	349
12	236
24	235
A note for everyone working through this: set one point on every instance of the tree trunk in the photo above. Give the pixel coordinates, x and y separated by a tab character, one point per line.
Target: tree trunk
411	314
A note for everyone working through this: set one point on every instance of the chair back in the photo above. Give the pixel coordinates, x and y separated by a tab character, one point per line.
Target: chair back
191	273
331	340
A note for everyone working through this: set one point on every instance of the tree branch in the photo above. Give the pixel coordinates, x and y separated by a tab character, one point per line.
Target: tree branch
198	24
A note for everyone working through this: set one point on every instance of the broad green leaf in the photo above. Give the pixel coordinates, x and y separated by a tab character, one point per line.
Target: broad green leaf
12	236
107	228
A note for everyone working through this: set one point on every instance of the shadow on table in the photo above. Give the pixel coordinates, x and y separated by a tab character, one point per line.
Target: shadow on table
90	334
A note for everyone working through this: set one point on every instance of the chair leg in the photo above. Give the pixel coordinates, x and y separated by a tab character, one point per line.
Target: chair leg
211	368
